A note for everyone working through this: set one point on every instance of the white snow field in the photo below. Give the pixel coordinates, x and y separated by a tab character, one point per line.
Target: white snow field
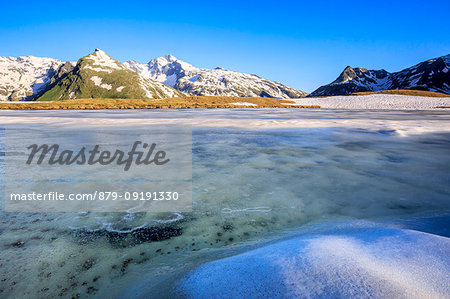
244	104
377	101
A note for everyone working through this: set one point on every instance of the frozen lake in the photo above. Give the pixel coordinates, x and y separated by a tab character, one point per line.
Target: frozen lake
258	176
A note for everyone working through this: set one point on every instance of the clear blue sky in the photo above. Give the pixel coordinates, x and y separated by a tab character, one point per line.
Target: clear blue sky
303	44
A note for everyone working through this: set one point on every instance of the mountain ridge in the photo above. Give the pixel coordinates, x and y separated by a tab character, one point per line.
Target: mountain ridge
47	78
430	75
43	78
210	82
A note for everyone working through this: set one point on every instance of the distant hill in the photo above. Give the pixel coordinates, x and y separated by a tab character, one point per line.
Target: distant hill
431	75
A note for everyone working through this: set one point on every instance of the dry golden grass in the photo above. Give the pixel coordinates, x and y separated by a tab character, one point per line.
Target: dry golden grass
172	103
408	92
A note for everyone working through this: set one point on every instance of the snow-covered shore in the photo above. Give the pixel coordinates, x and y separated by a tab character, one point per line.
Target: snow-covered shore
377	101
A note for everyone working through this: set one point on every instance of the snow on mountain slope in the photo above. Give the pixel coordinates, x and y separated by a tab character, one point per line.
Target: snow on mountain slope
25	76
102	62
220	82
431	75
165	69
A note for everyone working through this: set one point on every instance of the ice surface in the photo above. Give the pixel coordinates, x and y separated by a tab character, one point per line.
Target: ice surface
353	262
258	174
404	123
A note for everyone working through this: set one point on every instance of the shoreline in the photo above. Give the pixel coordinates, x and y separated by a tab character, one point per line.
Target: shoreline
378	101
189	102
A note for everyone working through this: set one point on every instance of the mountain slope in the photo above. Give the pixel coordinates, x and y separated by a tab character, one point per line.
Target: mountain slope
219	82
430	75
99	76
25	76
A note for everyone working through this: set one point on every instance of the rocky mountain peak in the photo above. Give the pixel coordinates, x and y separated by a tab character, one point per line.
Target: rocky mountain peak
346	75
169	62
349	74
100	61
170	58
99	52
98	75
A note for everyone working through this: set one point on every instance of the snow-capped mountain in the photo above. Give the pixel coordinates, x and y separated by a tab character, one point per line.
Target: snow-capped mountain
32	78
22	77
431	75
97	75
218	82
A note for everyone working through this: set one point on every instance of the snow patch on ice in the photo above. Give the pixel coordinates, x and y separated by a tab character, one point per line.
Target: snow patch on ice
357	262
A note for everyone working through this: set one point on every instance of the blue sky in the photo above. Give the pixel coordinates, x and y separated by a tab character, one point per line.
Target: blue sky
303	44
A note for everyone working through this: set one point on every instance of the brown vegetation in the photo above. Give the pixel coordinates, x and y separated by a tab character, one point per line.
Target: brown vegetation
408	92
172	103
